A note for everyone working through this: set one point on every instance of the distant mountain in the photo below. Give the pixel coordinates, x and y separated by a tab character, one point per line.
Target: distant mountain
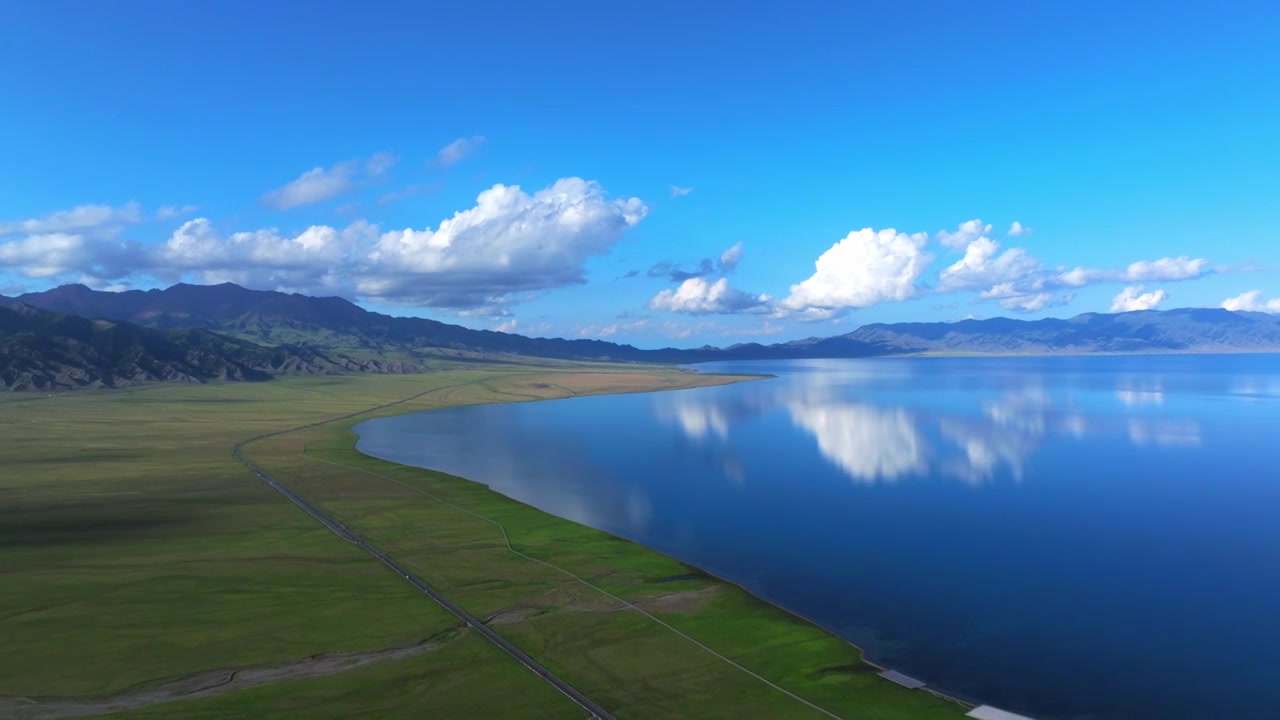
43	350
1201	330
352	337
328	322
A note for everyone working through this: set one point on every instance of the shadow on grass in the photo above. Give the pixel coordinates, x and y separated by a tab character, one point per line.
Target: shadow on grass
45	524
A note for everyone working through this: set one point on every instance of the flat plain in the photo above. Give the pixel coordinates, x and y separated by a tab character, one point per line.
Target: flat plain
144	573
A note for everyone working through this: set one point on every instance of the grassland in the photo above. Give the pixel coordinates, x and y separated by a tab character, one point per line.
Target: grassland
135	553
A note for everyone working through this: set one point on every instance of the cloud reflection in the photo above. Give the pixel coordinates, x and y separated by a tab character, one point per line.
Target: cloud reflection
1164	433
698	420
874	442
868	443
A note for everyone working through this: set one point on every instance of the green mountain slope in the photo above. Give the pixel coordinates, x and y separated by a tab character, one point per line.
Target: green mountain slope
43	350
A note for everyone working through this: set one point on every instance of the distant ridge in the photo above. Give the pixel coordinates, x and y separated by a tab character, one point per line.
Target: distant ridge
336	335
1203	330
43	350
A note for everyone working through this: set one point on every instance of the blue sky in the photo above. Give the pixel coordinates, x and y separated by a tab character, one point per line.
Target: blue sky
374	150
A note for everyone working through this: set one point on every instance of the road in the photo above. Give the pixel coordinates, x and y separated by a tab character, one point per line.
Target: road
347	534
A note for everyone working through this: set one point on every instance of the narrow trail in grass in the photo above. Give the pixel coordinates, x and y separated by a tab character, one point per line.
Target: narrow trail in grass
215	682
507	539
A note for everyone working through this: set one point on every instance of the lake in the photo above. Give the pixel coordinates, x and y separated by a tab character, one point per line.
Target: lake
1071	538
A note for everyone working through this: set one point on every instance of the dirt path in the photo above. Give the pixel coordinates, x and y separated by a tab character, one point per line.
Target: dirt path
205	684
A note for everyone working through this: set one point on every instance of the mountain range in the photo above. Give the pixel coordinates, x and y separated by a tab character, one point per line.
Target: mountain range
205	332
42	350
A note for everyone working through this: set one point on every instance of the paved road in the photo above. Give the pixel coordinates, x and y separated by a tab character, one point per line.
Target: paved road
345	533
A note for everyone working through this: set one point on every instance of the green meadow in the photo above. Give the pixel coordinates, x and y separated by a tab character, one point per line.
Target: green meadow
138	557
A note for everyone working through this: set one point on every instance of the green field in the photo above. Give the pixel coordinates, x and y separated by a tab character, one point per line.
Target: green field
137	558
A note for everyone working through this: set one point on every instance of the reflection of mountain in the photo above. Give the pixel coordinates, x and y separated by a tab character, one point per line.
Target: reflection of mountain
866	442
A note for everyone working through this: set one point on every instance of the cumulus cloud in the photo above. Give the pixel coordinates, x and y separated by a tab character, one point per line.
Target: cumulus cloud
169	212
83	218
699	296
1132	298
1252	302
730	258
677	191
1179	268
51	255
314	260
507	326
984	266
458	150
968	232
1164	269
511	242
865	268
1020	282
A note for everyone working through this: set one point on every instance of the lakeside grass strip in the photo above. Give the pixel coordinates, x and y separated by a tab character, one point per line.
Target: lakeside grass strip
506	538
872	697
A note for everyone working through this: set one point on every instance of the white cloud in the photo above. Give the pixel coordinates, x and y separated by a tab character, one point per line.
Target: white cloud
1132	298
605	331
700	296
1079	277
1252	302
730	258
677	191
313	186
315	260
508	326
1029	303
44	255
981	267
508	245
320	184
1179	268
456	151
83	218
1164	269
169	212
1017	229
510	241
865	268
968	232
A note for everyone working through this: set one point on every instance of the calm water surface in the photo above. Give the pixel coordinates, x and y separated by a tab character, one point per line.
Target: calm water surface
1076	538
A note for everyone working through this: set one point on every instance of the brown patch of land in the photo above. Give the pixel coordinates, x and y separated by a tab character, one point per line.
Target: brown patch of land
686	601
209	683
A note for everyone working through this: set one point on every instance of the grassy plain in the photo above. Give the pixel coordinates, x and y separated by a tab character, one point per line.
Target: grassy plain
134	552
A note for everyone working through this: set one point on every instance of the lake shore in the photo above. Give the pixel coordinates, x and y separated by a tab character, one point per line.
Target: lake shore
159	455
